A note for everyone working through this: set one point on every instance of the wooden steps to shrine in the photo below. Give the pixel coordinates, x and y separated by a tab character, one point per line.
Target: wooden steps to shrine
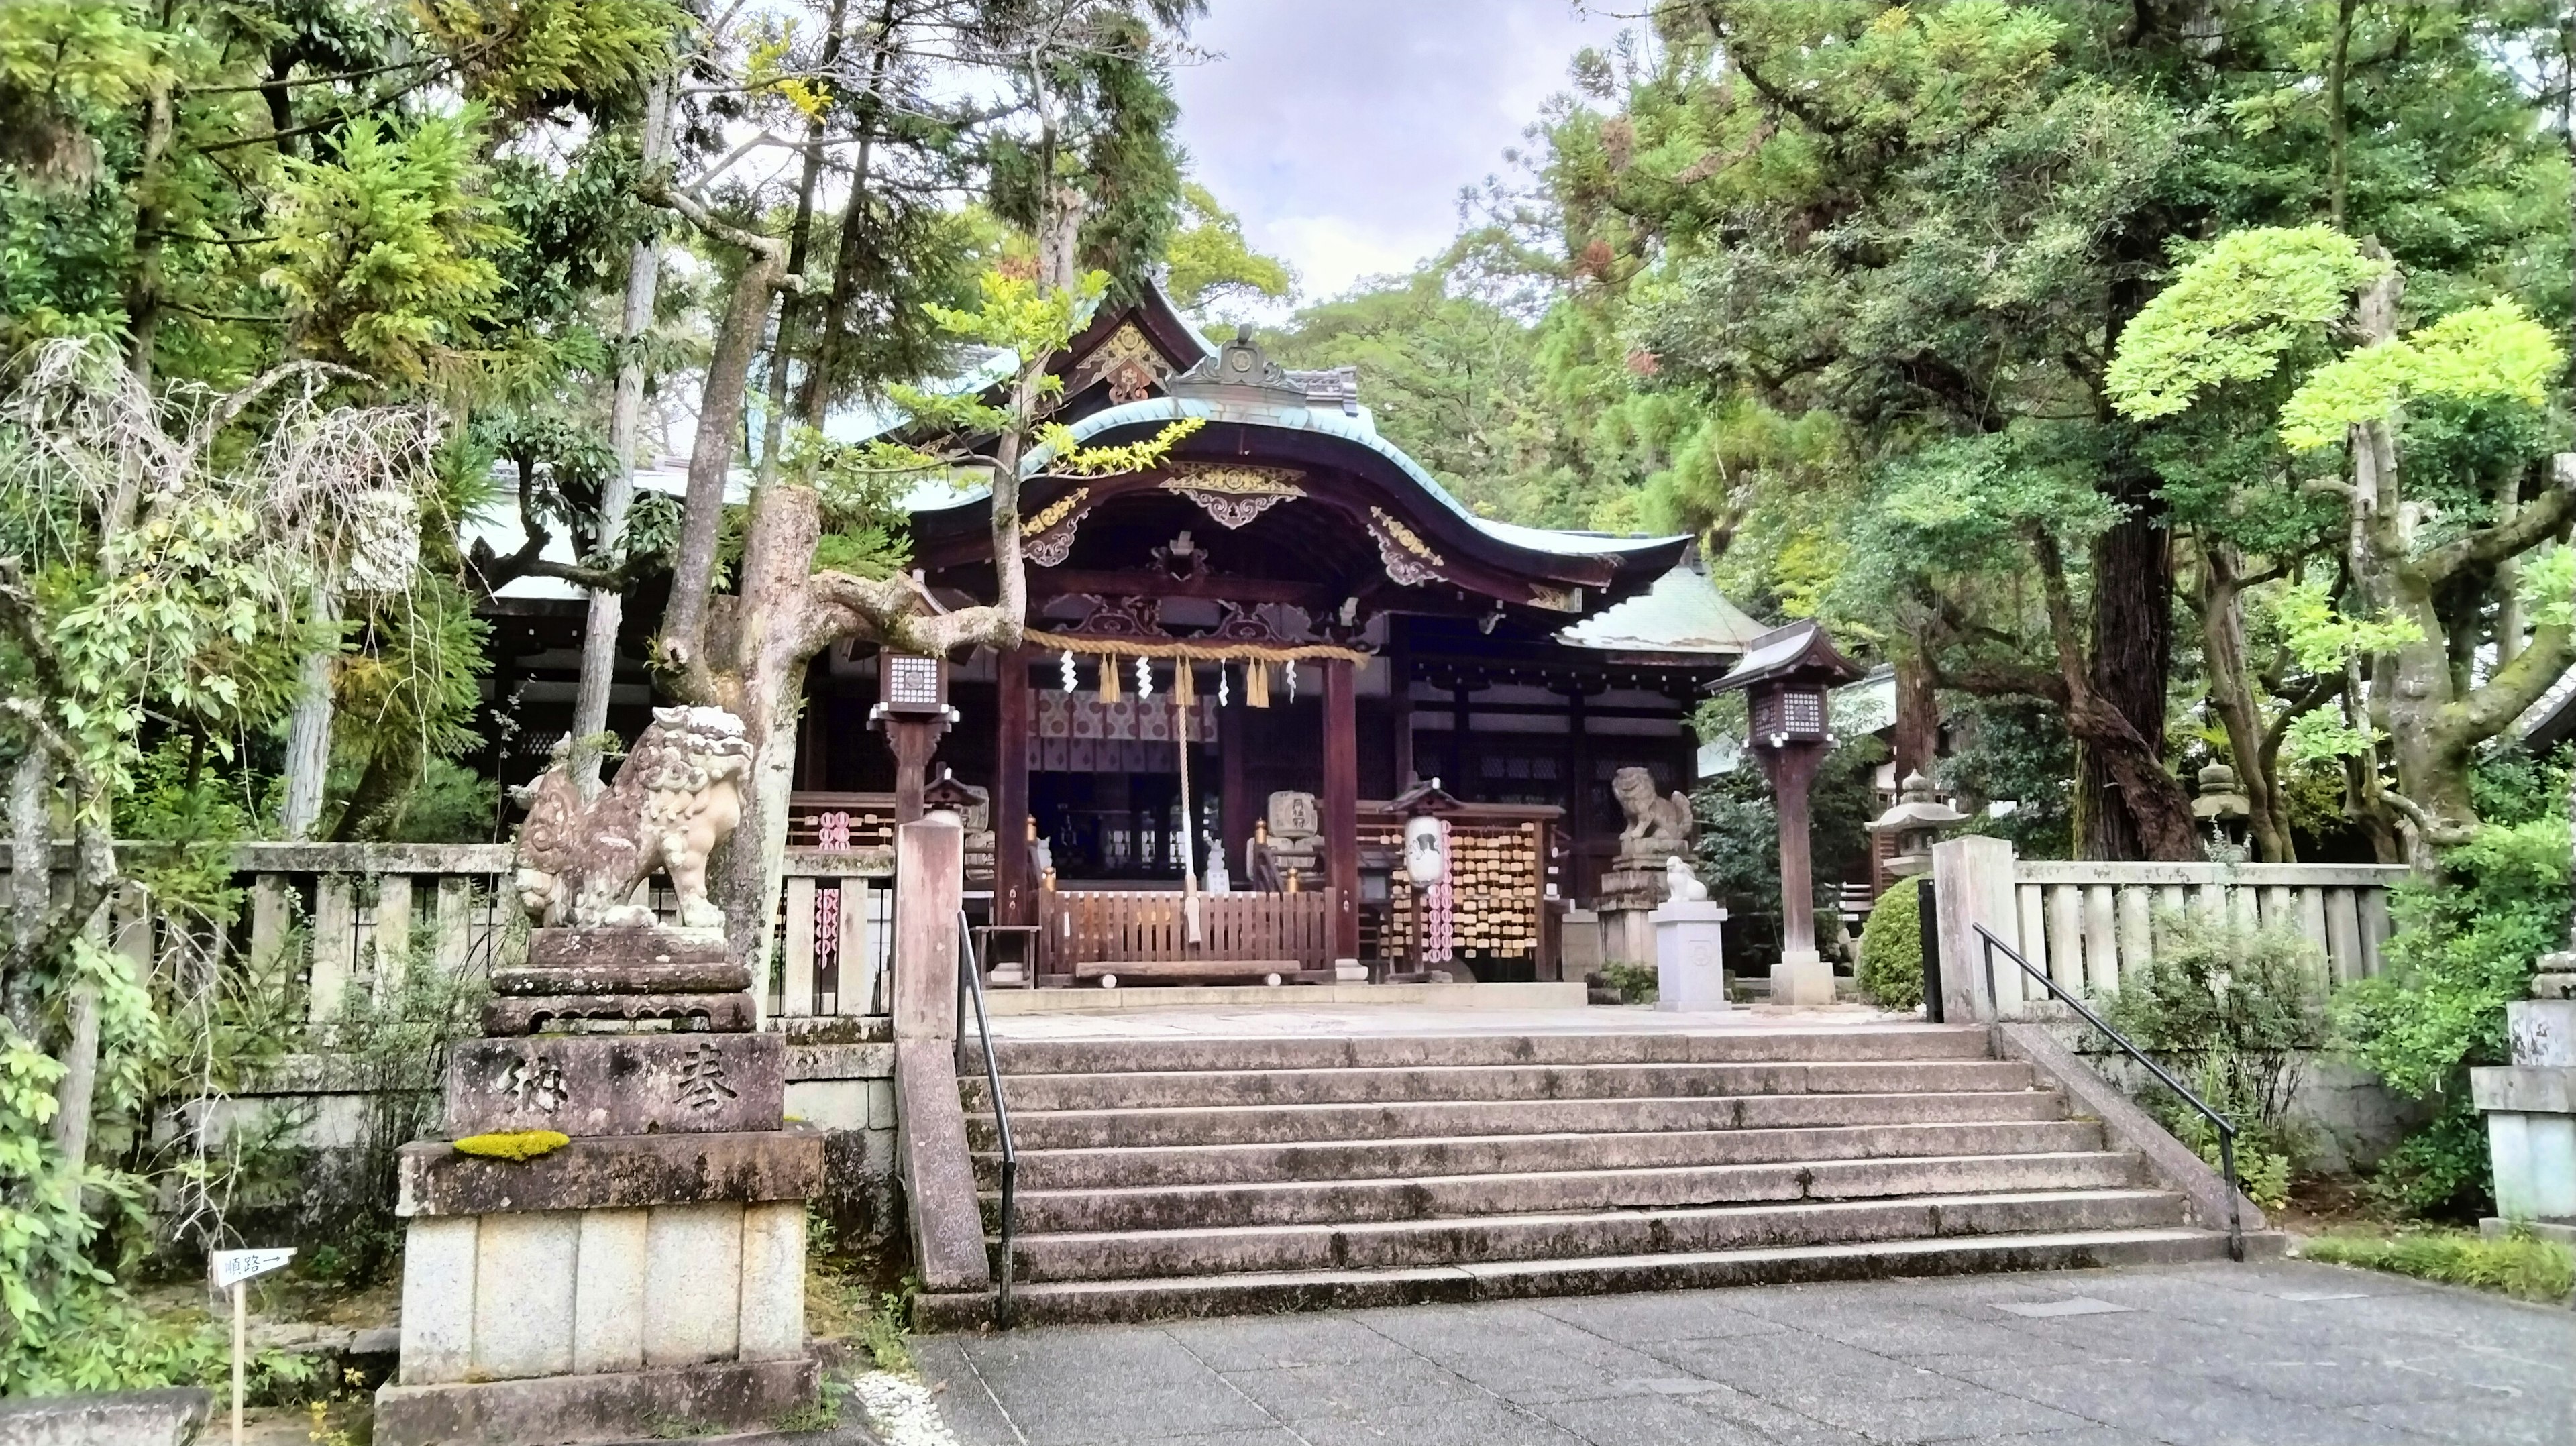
1193	1176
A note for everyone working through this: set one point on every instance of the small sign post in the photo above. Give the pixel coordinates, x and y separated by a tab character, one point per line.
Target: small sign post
233	1269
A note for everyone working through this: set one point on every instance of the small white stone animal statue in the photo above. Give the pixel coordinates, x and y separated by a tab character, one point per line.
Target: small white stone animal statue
675	798
1681	886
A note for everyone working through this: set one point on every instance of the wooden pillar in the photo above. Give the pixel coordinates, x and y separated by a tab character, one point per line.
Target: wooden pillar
1013	901
1800	977
1457	779
1399	691
1235	808
913	741
1578	793
1342	804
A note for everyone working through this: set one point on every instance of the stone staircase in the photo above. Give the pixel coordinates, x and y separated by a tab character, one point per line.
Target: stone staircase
1201	1176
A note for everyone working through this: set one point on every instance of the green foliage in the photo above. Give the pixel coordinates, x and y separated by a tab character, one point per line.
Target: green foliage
2233	313
524	57
2485	352
380	253
2236	1012
2463	947
1212	265
392	1040
1739	832
885	1332
1891	949
2016	751
1633	983
2519	1265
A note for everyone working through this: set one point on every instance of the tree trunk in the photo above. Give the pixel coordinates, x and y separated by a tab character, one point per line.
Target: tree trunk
308	729
31	882
774	636
799	231
711	453
1918	718
625	422
822	371
2128	803
2232	696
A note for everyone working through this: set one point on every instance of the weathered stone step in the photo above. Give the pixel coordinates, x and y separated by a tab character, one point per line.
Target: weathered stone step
1043	1212
1433	1119
1382	1245
1071	1302
1146	1090
1177	1165
1108	1056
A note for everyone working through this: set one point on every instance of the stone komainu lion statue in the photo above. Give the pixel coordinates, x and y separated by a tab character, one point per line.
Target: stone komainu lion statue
676	797
1656	826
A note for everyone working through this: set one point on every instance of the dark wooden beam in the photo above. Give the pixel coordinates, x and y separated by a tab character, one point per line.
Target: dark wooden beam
1060	582
1014	892
1342	804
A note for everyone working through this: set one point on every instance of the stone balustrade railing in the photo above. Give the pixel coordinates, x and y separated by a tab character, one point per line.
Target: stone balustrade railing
2090	924
343	917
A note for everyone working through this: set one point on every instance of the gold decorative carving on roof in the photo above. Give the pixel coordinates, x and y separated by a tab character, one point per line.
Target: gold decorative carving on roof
1556	599
1055	512
1409	560
1405	537
1133	365
1049	535
1234	494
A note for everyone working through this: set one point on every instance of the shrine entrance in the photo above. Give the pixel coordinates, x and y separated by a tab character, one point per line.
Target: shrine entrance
1219	682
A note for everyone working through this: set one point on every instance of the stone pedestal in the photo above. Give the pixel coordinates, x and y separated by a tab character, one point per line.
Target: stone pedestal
1802	977
2531	1114
1627	935
648	1273
1690	958
1578	948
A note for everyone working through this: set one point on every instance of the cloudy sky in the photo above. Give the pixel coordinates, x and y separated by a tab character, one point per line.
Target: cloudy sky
1342	130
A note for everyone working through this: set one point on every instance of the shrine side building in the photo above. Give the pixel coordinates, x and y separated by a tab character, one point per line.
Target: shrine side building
1289	624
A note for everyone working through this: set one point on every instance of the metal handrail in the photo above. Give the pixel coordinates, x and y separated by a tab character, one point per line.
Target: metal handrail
970	980
2226	1128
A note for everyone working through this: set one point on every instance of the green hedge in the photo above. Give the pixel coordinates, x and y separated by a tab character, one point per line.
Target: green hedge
1891	949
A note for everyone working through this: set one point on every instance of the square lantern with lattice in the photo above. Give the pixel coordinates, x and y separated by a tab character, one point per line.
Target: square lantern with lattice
1785	676
912	685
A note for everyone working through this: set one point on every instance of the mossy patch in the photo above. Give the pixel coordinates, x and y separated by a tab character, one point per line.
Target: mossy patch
513	1144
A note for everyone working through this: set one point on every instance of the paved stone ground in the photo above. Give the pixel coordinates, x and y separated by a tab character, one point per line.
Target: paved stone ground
2282	1354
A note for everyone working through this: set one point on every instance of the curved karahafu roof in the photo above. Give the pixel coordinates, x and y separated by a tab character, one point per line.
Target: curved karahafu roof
1259	414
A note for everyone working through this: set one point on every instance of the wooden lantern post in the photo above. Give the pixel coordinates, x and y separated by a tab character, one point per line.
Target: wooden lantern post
1785	677
912	707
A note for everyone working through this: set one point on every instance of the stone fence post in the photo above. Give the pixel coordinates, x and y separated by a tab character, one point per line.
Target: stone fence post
938	1175
1972	884
929	877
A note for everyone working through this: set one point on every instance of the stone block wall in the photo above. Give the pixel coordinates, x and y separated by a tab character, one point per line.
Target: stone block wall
847	1090
582	1292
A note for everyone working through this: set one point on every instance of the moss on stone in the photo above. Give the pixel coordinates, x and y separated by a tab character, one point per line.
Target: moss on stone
513	1144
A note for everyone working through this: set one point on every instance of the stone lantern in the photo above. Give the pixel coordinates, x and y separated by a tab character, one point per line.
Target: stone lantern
1917	821
1785	677
2223	808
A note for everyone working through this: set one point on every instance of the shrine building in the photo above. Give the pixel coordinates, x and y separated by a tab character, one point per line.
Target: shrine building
1284	629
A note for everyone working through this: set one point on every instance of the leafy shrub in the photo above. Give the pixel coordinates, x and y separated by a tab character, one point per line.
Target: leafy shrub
1891	949
2235	1011
2519	1265
2463	948
1635	982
